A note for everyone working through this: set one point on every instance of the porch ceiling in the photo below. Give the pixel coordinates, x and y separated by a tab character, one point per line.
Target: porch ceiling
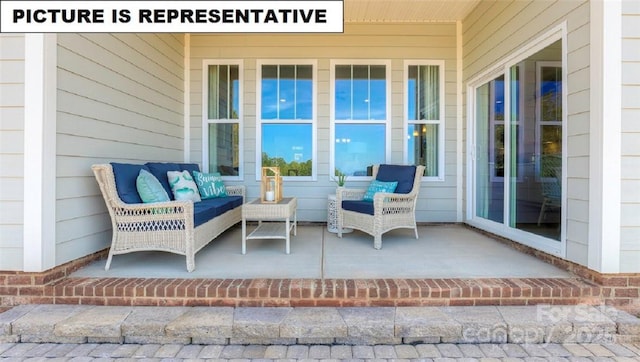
407	11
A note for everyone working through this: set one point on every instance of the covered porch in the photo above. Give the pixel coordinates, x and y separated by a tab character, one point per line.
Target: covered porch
137	98
449	265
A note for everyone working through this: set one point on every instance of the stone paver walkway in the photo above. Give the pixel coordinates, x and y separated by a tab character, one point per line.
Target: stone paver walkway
238	353
442	334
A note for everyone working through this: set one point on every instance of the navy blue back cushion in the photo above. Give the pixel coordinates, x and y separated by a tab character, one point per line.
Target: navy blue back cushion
189	167
361	206
126	175
159	170
404	174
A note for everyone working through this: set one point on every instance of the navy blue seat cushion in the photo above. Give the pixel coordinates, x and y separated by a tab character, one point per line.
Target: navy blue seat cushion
206	210
160	169
361	206
404	174
126	175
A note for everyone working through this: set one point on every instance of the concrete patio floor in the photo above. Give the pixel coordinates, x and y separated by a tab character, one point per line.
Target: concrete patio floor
442	251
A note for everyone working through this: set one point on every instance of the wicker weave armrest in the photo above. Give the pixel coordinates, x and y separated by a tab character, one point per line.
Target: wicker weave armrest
157	209
170	215
236	190
390	197
154	205
350	194
392	203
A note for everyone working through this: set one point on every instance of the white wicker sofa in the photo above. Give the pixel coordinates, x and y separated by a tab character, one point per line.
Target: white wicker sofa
180	227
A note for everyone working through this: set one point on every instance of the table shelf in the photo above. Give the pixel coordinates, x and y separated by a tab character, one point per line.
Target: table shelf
270	230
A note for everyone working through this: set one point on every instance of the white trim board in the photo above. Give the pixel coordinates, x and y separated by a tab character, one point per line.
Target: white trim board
459	125
604	137
40	89
187	98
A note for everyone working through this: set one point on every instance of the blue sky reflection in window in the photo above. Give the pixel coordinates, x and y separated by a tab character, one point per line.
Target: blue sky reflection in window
287	116
287	92
360	92
358	146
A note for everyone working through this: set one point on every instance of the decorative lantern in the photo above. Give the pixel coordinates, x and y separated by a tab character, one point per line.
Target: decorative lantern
271	186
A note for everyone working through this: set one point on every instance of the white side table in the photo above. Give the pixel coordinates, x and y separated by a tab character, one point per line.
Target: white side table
332	215
284	210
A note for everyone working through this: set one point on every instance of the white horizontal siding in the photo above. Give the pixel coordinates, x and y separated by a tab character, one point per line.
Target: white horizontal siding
11	118
11	150
120	98
83	246
494	31
12	71
12	94
11	258
630	140
394	42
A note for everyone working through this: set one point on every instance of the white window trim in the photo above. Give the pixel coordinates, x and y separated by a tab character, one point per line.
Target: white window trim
440	122
313	121
520	106
205	115
554	247
332	116
539	121
503	123
493	123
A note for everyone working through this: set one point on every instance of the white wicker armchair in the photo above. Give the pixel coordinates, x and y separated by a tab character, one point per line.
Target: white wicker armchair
162	226
391	210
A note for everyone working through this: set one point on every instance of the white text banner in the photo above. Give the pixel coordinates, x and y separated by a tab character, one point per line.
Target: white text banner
310	16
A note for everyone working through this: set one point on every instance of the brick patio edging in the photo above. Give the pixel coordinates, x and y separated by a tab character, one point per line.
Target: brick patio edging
588	287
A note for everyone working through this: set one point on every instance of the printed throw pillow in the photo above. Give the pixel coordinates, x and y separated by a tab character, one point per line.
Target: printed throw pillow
183	186
149	188
210	185
379	186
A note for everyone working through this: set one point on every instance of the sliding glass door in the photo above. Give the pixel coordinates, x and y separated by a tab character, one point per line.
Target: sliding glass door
536	143
518	154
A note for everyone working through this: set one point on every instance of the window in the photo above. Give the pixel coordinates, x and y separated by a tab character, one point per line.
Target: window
286	113
424	102
360	116
222	117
